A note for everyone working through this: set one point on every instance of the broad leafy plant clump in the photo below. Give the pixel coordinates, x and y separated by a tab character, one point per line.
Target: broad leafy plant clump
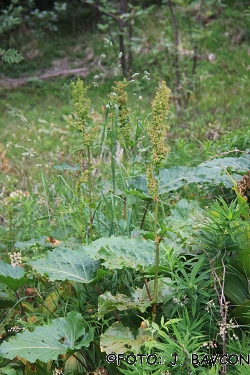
128	279
124	232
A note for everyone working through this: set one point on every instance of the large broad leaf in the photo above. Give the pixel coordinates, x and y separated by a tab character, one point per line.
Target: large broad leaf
107	303
119	339
41	241
119	252
241	164
186	218
67	264
11	276
164	290
183	209
49	341
212	172
138	184
174	178
139	300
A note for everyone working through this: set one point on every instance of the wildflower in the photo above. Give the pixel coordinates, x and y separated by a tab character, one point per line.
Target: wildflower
157	131
146	76
225	327
15	259
157	134
210	305
211	344
152	183
16	329
120	98
81	119
58	371
182	301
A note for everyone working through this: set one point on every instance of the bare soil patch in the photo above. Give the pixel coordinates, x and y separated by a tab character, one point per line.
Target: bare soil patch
59	68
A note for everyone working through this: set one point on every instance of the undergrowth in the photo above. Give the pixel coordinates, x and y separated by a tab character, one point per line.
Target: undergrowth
124	229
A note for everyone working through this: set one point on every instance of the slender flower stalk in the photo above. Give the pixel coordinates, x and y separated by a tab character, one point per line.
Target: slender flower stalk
157	134
121	100
120	130
80	121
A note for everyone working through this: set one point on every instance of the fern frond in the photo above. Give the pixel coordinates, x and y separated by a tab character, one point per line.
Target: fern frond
11	56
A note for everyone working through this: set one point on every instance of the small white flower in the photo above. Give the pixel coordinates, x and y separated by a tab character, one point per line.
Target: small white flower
58	371
15	259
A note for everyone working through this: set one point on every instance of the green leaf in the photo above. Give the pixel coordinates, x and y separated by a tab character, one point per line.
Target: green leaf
107	303
137	193
6	303
139	300
185	217
243	369
119	252
11	56
67	264
164	289
242	313
174	178
8	371
236	285
41	241
212	172
49	341
138	184
119	339
11	276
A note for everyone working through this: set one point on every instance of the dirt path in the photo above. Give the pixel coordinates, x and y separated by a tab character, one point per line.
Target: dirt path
8	83
60	68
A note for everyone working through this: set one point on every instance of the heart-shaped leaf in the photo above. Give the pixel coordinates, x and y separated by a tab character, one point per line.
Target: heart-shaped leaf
49	341
67	264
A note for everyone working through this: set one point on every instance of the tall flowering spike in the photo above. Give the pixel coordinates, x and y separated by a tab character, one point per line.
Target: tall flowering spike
157	134
157	131
151	182
121	99
81	120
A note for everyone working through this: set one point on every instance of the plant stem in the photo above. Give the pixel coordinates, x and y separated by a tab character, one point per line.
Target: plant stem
157	241
219	287
113	168
90	193
124	208
146	286
144	214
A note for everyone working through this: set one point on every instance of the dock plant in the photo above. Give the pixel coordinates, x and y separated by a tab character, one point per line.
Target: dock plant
156	131
81	121
84	299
